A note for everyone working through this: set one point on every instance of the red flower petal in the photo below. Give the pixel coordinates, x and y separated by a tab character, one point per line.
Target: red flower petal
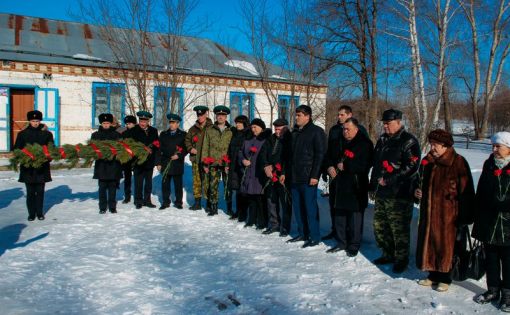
424	162
253	149
498	172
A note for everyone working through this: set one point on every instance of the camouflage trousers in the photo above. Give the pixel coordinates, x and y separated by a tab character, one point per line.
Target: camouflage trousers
392	226
199	181
213	181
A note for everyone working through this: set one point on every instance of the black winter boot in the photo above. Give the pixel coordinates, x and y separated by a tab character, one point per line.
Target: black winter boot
492	294
208	207
214	209
197	205
229	209
504	305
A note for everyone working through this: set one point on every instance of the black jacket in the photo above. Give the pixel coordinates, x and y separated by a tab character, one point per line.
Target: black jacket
352	182
138	134
105	169
40	136
335	143
279	150
308	151
235	171
168	147
400	151
492	215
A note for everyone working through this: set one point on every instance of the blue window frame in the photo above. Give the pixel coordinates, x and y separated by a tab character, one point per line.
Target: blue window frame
242	104
108	98
285	106
164	99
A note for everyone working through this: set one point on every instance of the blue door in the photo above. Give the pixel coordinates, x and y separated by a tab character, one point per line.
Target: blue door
47	102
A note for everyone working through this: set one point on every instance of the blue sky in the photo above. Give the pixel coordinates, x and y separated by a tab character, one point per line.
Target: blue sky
223	15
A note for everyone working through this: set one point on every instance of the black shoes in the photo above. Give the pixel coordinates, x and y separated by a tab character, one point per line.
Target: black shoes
178	206
113	210
214	209
504	305
310	243
284	233
331	235
126	200
296	239
102	211
40	217
335	249
383	260
400	266
351	252
270	231
138	206
149	205
489	296
31	218
164	206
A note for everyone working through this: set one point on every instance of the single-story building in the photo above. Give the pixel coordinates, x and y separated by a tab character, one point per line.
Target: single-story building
68	72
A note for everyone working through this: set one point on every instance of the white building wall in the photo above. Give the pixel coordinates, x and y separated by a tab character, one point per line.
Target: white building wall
76	100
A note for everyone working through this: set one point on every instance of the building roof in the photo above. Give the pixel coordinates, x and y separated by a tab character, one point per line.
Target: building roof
32	39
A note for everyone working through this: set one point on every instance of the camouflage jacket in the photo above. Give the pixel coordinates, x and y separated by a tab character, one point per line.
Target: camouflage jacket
216	142
198	132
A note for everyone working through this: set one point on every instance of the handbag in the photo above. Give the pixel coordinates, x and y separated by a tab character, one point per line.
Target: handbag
468	263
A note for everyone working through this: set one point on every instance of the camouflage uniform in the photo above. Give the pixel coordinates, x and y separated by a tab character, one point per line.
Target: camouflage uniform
215	145
198	180
392	225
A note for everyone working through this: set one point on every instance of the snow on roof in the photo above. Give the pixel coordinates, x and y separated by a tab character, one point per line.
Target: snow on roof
86	57
243	65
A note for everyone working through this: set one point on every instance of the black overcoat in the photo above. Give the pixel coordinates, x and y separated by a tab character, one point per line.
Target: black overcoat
168	147
40	136
105	169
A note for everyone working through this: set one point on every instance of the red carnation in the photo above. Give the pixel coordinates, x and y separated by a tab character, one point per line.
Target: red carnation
414	158
156	143
207	160
508	172
195	139
225	159
278	167
498	172
253	149
349	154
424	162
389	169
385	164
274	178
178	149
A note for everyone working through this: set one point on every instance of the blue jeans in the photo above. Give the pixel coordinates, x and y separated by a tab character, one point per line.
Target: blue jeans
306	210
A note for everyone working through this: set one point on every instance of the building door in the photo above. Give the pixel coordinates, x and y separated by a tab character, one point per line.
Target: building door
21	102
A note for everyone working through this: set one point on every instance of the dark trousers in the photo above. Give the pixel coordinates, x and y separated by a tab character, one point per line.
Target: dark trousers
331	199
143	185
166	190
306	211
348	228
279	208
107	194
498	266
127	169
255	211
35	199
443	277
242	204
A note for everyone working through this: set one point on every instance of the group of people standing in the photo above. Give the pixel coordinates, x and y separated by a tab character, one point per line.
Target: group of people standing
273	177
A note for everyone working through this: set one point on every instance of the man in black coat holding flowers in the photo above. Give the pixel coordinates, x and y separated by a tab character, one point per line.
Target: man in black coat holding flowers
170	161
351	167
147	135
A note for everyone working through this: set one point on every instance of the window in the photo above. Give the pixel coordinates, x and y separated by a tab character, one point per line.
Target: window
167	100
108	98
241	104
285	105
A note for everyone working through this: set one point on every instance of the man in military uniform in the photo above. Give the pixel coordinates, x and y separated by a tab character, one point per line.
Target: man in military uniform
215	147
171	151
127	168
147	135
396	161
193	143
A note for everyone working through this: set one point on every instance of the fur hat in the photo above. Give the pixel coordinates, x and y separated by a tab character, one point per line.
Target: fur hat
130	119
305	109
502	137
242	119
258	122
280	122
105	117
442	136
391	114
34	115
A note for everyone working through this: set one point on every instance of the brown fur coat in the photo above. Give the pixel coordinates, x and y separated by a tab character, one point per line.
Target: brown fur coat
448	198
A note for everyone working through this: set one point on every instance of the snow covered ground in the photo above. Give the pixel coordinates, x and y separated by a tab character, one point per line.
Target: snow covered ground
182	262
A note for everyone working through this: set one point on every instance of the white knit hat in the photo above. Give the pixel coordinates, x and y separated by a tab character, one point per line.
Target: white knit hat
502	137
